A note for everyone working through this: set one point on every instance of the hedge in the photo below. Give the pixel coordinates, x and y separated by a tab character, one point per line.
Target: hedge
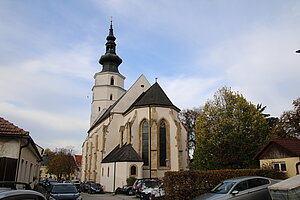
189	184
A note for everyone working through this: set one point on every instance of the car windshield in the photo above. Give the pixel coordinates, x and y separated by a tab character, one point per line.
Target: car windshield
60	189
223	187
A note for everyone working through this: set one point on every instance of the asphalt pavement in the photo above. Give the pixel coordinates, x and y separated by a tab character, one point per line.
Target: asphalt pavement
107	196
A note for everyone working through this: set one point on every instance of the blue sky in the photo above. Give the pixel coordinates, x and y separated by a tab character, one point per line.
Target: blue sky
49	52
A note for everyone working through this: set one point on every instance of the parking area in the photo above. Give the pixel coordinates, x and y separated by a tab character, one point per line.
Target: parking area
108	196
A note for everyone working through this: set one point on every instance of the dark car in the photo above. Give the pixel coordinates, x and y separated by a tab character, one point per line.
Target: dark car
95	188
63	191
13	185
84	186
49	182
77	184
242	188
127	189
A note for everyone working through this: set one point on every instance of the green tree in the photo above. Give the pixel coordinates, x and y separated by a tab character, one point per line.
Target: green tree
272	121
229	132
288	124
61	163
189	118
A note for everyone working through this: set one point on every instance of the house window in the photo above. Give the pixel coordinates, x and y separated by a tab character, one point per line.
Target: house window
133	170
280	166
107	171
112	81
162	144
30	172
21	169
145	143
102	171
111	97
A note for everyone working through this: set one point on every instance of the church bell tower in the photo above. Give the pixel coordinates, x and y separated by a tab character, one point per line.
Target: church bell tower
109	83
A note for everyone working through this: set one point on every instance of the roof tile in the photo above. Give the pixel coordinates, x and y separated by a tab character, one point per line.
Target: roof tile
7	127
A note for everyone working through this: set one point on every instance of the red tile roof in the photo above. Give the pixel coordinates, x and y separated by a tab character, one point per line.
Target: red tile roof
7	127
78	159
292	145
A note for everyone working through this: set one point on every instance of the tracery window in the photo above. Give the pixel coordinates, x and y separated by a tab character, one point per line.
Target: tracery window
145	143
162	144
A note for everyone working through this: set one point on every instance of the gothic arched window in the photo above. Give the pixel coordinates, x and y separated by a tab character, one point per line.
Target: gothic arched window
112	81
162	144
145	143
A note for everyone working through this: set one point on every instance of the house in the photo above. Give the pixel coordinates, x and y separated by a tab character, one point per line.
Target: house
20	157
134	132
283	154
78	159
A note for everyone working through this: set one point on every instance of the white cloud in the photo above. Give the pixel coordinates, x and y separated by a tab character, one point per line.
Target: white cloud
51	121
188	92
263	66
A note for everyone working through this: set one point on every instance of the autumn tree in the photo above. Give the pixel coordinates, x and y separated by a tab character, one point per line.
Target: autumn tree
229	132
189	118
288	124
61	163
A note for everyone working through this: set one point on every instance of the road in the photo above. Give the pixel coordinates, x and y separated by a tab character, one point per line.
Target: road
86	196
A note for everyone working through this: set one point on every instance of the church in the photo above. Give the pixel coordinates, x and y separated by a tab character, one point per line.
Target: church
134	132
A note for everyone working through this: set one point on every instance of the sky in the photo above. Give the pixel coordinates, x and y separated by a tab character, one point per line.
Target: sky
49	52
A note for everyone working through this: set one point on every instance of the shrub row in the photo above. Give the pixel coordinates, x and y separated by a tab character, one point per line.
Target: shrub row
189	184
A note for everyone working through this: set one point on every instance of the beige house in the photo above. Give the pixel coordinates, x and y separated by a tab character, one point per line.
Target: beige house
20	157
283	154
134	132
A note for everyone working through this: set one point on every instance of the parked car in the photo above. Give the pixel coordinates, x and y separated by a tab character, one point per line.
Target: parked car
63	191
84	186
77	184
154	191
242	188
127	189
95	188
11	190
20	195
13	185
145	183
135	185
49	183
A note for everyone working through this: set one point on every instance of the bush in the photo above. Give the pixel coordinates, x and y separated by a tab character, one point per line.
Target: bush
130	180
189	184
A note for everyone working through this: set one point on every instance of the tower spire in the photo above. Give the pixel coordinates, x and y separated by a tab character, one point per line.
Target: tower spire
110	60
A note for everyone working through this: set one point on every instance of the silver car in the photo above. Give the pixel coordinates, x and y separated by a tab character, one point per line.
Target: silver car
242	188
21	195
